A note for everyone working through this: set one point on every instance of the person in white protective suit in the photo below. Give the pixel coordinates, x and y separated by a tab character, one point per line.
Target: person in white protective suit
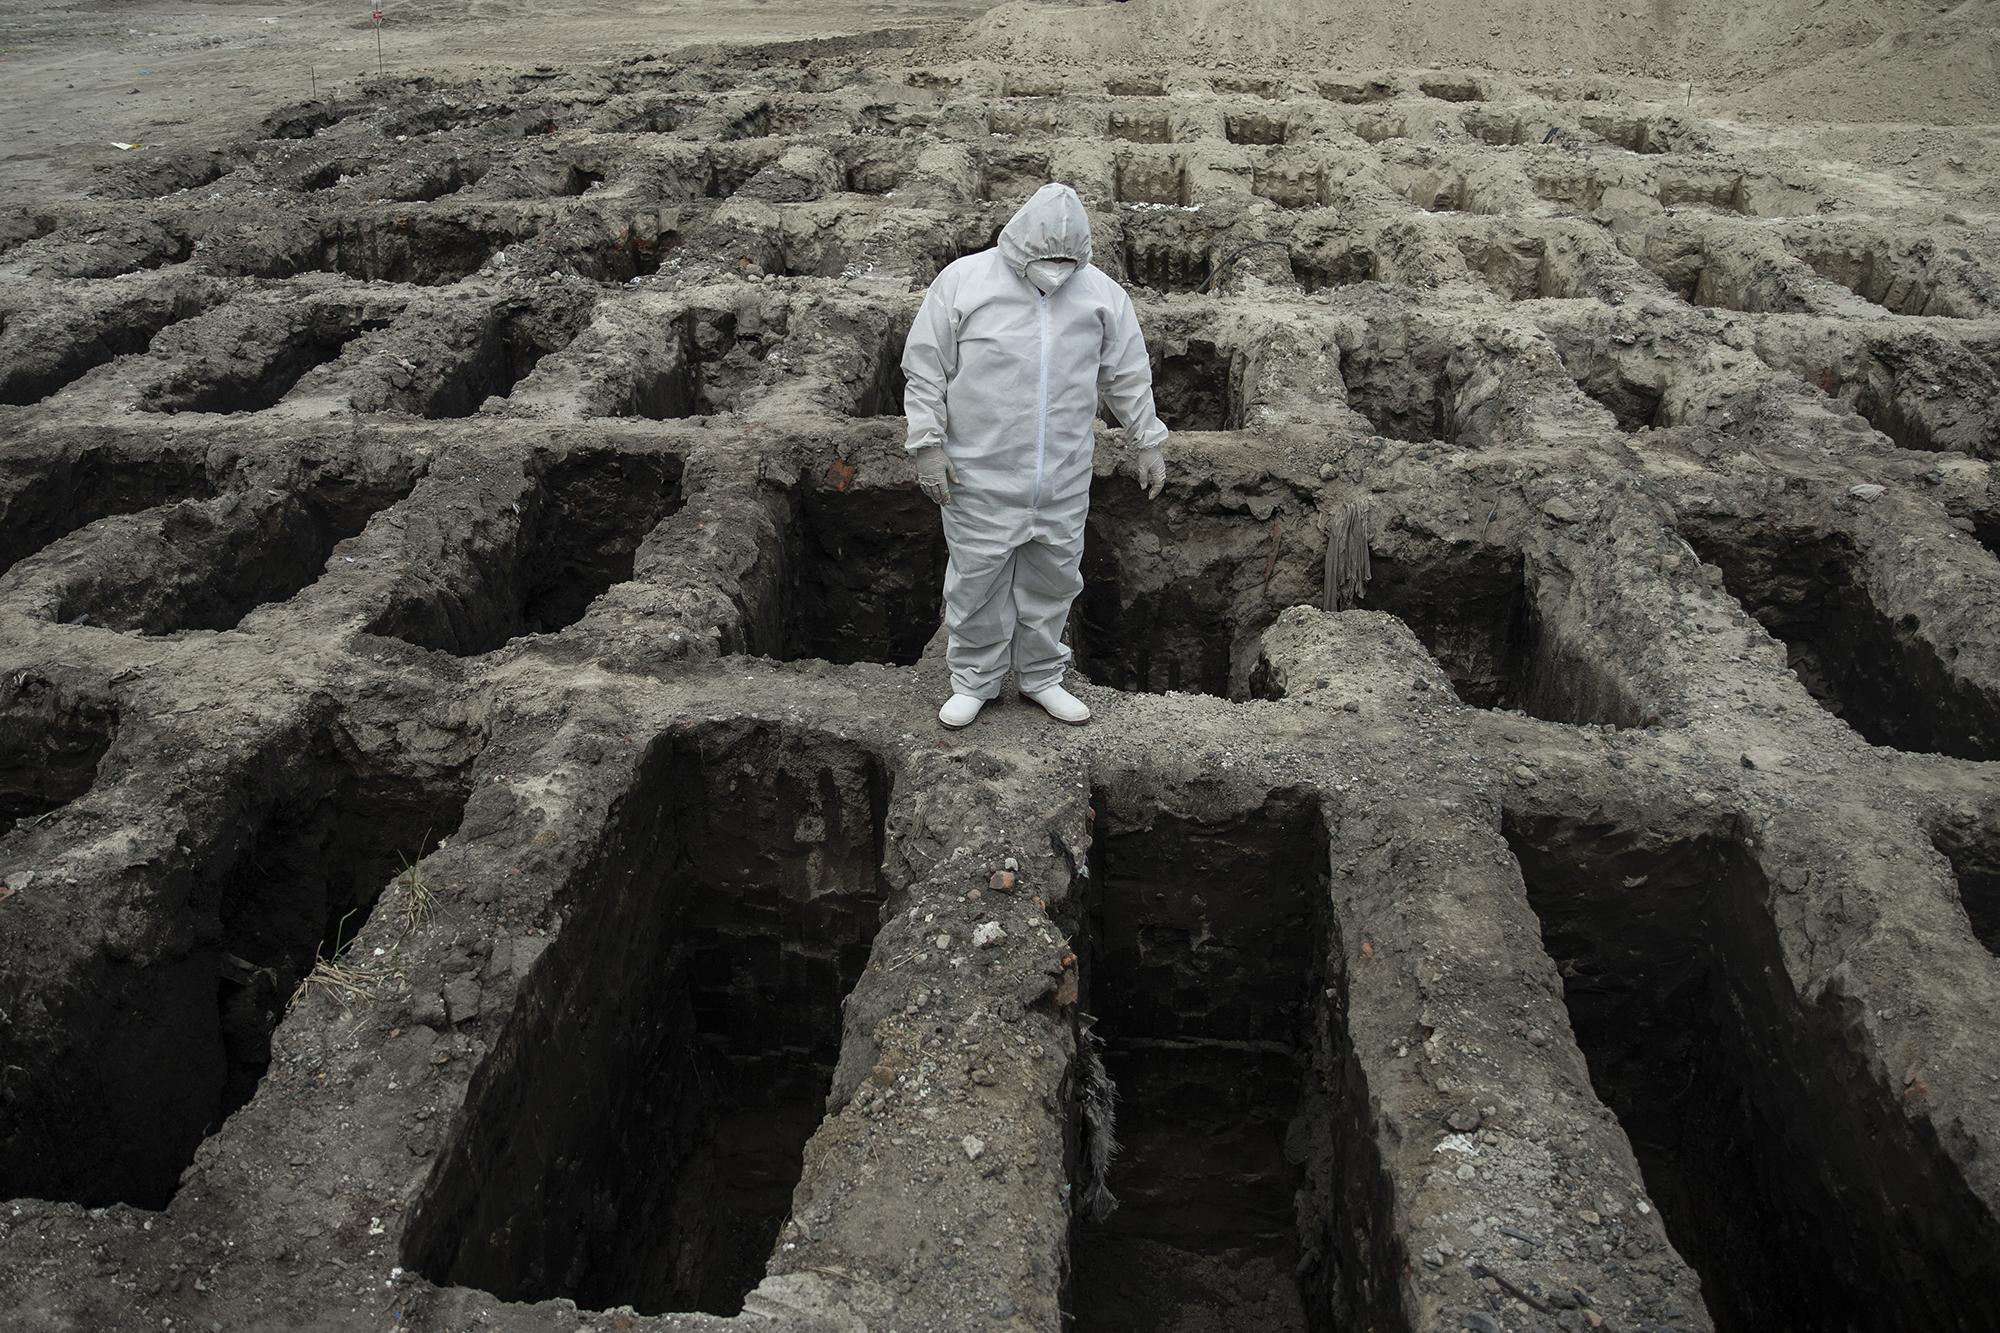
1008	357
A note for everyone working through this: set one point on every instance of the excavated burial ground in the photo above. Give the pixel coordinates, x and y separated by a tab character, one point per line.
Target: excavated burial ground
474	852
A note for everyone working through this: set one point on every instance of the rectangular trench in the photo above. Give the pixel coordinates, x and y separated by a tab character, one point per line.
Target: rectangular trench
51	742
863	579
1792	1182
269	357
1973	849
635	1136
1477	611
73	493
1209	1112
121	1073
1806	586
696	366
206	565
1177	600
577	539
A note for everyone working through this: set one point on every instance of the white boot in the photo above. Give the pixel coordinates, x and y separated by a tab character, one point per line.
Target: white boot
1061	705
959	710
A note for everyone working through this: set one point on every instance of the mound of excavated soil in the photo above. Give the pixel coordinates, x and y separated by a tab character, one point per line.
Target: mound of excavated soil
1827	59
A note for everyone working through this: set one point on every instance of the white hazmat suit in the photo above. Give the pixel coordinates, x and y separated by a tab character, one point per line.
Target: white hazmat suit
1006	380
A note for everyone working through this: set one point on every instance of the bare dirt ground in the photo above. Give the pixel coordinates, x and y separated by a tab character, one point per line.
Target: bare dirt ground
80	77
475	847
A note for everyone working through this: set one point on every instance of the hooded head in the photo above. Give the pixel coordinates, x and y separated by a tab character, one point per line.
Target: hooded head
1050	227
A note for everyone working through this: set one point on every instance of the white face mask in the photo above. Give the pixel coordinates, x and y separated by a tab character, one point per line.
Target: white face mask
1049	275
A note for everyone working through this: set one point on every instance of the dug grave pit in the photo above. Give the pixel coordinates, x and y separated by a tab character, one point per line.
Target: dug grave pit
1176	591
1205	959
51	742
33	373
1924	393
1150	179
489	353
267	357
1792	1183
1804	584
1899	281
71	492
1197	385
635	1136
1476	608
1009	175
1403	388
1140	127
205	565
1256	128
695	361
1973	849
414	248
862	575
131	1071
1334	263
577	537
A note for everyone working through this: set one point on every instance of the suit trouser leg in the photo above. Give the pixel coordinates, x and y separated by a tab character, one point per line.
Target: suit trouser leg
978	618
1047	578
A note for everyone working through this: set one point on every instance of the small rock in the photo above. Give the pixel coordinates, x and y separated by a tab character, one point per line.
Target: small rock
1002	881
1433	1258
1562	511
1479	1323
461	1000
1867	492
1350	707
428	1009
943	941
1010	864
974	1147
1763	759
1464	1119
987	934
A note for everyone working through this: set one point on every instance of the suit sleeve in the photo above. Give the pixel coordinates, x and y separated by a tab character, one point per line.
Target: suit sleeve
1125	378
930	355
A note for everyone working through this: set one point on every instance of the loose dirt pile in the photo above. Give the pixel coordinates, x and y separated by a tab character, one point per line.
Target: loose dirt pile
1851	60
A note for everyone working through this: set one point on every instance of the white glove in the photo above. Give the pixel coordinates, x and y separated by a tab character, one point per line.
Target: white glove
1152	471
934	474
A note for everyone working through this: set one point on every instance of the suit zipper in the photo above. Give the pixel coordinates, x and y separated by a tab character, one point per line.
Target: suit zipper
1042	405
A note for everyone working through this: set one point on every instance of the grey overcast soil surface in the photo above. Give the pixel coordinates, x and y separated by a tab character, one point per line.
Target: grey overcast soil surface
475	847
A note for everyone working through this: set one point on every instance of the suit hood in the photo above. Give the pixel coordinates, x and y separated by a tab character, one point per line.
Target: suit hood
1051	225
